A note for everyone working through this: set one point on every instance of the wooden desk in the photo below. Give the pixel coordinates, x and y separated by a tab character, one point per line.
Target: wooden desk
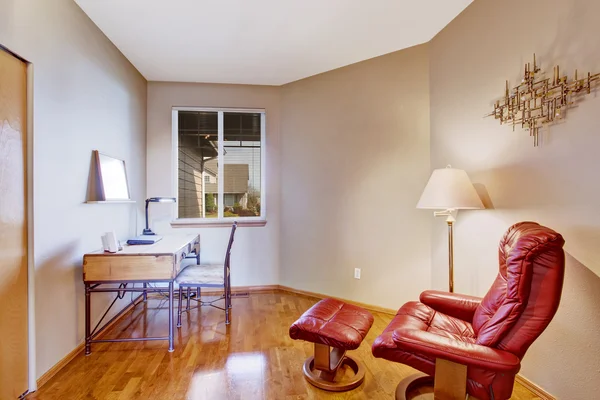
156	263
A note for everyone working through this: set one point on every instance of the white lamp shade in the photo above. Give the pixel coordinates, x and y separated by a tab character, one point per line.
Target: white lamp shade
450	188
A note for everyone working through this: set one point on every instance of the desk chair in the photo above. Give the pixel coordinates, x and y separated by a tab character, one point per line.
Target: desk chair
208	276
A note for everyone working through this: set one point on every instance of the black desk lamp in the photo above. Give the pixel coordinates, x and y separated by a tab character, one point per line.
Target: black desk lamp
148	231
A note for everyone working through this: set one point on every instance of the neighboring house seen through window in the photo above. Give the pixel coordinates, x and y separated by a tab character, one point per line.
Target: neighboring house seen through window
220	155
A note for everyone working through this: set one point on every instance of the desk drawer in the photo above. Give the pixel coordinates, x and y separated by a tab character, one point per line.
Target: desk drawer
127	268
192	248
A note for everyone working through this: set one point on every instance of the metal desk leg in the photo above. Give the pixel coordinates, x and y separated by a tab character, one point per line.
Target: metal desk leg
171	330
187	296
88	346
197	263
145	293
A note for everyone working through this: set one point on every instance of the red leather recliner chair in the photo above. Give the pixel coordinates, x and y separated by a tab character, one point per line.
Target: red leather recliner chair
487	337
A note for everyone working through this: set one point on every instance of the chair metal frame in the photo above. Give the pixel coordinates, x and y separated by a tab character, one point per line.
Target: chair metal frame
199	285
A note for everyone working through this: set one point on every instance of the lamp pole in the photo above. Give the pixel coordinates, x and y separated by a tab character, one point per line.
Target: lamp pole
147	230
450	254
449	213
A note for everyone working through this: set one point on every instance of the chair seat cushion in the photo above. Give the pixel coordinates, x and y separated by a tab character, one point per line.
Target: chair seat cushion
333	323
205	275
415	315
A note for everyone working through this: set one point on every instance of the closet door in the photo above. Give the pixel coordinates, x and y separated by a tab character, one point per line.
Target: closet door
13	227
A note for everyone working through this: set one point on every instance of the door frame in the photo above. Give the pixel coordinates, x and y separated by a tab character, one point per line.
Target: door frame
31	353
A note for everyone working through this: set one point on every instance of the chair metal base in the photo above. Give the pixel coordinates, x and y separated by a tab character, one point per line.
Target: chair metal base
198	299
412	383
449	383
326	379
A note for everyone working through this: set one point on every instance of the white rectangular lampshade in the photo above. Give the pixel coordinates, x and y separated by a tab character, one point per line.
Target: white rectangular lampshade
449	188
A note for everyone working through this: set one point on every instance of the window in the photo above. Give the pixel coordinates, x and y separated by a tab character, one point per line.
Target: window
220	155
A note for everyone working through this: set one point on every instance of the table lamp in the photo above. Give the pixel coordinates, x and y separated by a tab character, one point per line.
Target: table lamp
449	189
147	230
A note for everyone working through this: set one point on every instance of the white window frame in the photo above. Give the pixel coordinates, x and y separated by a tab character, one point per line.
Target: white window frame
220	220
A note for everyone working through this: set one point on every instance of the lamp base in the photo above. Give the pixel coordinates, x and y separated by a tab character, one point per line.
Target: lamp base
148	232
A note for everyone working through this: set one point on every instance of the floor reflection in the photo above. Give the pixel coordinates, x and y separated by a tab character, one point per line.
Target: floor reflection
242	373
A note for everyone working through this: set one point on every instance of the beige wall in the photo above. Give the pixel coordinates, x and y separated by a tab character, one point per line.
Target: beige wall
255	255
355	158
86	96
555	184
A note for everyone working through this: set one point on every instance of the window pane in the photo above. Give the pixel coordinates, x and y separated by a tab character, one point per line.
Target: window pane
241	156
198	150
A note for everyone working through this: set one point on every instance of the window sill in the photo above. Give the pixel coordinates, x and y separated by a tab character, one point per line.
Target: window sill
217	224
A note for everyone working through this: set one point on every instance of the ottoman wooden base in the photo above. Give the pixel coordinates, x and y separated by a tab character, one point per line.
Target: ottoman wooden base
321	370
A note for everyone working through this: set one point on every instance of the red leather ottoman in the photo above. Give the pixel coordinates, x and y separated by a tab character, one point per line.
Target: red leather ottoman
332	323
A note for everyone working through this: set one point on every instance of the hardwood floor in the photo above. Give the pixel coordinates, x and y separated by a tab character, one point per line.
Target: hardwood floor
253	358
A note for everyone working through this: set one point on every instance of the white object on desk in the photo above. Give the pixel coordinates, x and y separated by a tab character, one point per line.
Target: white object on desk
104	243
110	242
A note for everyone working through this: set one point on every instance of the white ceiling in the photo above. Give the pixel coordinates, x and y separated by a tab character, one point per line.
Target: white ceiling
270	42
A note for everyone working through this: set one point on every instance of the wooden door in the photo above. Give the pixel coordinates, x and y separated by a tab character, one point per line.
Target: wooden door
13	227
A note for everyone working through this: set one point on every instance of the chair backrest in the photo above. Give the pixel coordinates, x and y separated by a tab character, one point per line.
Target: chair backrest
526	293
229	245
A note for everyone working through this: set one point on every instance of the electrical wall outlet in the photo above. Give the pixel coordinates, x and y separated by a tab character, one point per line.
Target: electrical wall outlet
356	273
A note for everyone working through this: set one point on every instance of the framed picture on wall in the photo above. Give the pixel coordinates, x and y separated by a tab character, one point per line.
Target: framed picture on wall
111	178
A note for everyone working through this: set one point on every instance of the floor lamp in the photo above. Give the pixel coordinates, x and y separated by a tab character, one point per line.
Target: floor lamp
449	189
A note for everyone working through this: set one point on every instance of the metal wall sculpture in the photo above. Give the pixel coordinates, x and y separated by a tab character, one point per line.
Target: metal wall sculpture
539	100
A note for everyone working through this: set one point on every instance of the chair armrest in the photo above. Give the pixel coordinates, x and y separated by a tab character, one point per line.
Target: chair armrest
459	306
436	346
